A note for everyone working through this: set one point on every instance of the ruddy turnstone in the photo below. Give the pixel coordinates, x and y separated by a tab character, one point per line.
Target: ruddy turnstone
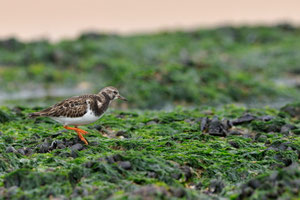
81	110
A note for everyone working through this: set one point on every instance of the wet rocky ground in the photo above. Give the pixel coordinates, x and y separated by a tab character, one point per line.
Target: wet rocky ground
205	153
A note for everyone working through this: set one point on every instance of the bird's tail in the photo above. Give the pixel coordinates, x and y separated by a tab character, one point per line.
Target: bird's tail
35	114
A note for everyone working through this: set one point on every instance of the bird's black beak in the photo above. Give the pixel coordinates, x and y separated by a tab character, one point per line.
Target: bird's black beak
122	98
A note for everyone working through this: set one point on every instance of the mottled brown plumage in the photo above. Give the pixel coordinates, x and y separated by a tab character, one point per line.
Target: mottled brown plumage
77	106
80	110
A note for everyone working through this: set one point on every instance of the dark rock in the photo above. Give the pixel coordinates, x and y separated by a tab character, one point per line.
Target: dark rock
204	124
266	118
272	185
279	146
285	129
152	174
296	131
11	149
36	136
54	135
79	192
94	143
261	138
246	192
77	147
189	120
125	165
61	146
21	151
227	124
11	191
4	117
270	126
234	132
216	186
123	133
43	148
53	145
146	192
89	164
286	161
247	118
178	192
292	109
169	144
176	176
74	154
113	158
254	183
98	127
28	151
187	172
198	186
70	142
152	122
216	128
234	144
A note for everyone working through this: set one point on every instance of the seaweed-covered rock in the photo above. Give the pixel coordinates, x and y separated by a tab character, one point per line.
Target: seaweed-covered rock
287	128
247	118
125	165
216	127
268	126
77	147
275	185
4	117
124	134
43	148
292	109
216	186
204	124
11	149
28	179
187	172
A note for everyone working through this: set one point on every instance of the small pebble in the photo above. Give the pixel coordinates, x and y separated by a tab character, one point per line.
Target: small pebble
74	154
77	147
21	151
187	172
61	146
43	148
234	132
11	149
125	165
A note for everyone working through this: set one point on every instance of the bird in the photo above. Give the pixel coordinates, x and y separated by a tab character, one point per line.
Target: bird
81	110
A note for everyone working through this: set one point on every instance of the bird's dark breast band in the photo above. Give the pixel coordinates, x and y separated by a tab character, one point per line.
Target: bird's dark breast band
98	111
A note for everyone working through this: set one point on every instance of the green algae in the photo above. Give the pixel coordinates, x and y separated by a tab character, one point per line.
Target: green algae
222	65
164	155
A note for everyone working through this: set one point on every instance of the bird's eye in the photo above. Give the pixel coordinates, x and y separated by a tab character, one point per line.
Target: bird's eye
115	92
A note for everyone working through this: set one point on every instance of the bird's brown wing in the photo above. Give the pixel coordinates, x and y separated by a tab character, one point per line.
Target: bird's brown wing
72	107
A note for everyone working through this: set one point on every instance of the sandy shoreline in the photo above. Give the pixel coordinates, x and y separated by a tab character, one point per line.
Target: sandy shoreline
56	19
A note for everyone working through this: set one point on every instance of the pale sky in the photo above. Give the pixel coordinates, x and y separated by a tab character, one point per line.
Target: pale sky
56	19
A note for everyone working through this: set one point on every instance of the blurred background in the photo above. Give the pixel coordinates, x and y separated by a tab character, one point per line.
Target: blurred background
158	53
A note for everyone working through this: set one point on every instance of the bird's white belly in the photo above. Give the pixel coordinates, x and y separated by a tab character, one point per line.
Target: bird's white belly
88	118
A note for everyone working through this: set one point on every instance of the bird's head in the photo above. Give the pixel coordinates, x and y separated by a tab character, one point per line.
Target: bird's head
113	93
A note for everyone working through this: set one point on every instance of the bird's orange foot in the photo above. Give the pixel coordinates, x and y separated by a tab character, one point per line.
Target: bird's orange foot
82	138
79	132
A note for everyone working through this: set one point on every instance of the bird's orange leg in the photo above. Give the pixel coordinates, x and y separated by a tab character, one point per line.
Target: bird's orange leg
79	132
